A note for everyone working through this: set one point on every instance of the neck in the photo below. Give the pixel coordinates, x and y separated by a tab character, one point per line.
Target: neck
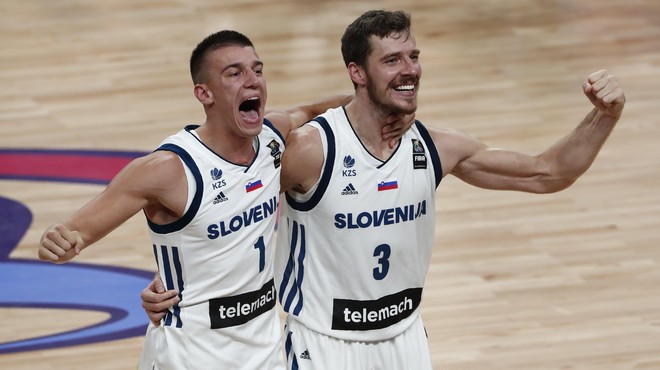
233	148
368	122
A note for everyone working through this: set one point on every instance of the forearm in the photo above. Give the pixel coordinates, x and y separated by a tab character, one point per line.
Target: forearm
570	157
304	113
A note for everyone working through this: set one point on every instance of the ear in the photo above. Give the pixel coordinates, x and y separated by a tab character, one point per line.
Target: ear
203	94
356	73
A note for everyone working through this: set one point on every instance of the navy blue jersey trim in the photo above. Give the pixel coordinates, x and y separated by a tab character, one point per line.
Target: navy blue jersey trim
433	152
275	130
197	198
297	239
169	283
325	174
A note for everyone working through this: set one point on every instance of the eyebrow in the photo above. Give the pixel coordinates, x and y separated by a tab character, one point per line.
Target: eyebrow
387	56
257	63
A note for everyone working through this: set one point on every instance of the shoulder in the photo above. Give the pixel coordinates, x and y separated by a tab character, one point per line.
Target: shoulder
300	175
304	141
454	146
281	121
162	160
155	169
452	139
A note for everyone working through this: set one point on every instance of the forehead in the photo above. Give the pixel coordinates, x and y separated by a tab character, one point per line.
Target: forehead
394	44
234	55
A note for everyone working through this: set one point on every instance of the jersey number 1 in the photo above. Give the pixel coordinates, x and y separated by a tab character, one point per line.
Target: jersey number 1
262	252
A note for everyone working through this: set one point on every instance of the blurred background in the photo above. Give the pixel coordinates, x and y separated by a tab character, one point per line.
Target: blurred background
518	281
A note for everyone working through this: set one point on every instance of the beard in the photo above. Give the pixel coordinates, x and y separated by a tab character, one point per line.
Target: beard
387	105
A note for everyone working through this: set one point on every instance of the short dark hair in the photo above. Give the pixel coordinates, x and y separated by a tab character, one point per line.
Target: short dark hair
209	44
355	46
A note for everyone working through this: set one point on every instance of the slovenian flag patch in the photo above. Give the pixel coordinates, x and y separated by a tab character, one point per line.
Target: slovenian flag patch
253	185
388	185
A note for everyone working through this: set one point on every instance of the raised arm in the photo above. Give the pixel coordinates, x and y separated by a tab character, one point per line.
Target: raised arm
145	183
557	167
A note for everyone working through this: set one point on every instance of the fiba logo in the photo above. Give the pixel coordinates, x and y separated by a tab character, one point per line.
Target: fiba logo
275	152
419	155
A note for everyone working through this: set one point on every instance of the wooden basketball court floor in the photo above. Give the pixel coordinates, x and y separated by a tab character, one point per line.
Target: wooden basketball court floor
517	281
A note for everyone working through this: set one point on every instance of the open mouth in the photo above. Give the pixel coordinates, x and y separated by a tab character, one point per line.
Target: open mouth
249	109
405	88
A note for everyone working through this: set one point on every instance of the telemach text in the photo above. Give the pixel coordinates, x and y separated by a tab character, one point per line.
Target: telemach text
376	314
380	315
239	309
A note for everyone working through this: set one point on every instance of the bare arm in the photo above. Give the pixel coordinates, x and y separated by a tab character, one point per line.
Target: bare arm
294	117
557	167
291	118
140	185
300	175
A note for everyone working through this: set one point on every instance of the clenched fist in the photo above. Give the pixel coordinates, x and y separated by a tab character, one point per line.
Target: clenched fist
59	244
603	89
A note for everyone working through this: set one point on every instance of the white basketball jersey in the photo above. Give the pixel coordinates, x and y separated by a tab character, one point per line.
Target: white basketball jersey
219	257
353	253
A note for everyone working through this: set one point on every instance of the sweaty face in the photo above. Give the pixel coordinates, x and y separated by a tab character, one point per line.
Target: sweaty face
393	74
239	89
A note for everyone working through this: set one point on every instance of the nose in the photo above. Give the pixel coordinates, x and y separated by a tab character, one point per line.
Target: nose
411	67
251	79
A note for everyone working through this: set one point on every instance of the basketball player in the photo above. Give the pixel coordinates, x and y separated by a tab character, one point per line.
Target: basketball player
210	194
357	225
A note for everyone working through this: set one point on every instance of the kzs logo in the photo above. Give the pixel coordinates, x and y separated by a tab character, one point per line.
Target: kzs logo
349	162
216	175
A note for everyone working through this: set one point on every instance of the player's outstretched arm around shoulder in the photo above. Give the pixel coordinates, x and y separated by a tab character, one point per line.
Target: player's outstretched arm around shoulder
553	170
291	118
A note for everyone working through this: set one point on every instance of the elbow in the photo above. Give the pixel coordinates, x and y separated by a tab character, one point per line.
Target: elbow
555	185
556	177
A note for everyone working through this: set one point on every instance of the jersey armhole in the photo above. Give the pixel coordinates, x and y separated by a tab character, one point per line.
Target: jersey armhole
196	201
326	172
433	152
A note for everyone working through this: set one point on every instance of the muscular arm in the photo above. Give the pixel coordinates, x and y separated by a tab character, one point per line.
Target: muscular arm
146	183
557	167
300	175
294	117
291	118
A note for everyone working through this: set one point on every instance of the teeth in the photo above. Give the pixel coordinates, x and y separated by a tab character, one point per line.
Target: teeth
404	88
254	98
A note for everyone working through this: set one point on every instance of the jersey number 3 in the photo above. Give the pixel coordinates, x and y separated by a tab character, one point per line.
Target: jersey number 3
383	252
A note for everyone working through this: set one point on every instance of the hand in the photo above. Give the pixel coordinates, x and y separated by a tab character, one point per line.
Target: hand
59	244
397	126
604	92
156	301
